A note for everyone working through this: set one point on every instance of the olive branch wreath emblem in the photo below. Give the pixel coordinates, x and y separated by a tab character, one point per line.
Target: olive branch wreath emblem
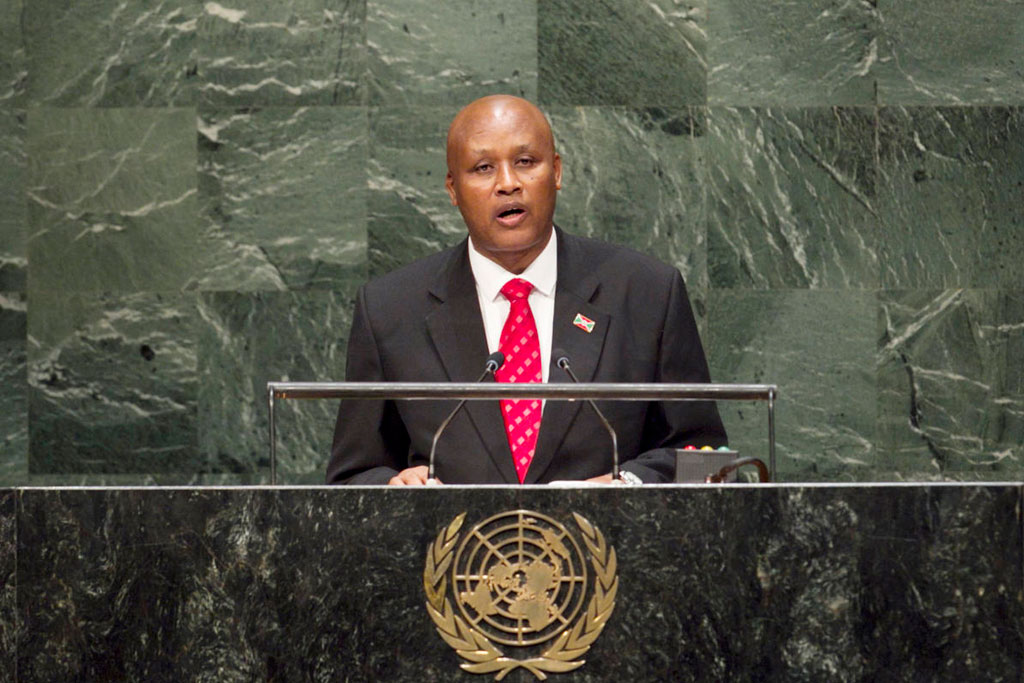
483	656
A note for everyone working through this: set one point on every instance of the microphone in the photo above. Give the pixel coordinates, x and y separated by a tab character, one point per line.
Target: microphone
562	361
491	365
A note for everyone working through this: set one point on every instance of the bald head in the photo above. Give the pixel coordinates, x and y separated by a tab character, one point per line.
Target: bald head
505	111
503	175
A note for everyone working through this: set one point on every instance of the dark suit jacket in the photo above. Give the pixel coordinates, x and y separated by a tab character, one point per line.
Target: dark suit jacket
422	323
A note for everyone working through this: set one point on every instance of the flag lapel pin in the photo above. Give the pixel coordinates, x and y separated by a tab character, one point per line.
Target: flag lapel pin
584	323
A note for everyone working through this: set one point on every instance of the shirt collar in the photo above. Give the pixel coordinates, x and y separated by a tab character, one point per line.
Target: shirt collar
490	277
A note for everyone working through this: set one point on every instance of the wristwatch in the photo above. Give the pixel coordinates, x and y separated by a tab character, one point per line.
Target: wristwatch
629	479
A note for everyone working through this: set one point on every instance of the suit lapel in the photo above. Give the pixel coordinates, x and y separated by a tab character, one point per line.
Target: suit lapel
457	330
574	292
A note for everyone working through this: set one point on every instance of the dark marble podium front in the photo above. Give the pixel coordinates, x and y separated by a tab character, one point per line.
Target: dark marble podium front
876	582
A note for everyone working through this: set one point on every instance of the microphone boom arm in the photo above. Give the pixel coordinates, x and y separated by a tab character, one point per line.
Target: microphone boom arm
563	362
494	361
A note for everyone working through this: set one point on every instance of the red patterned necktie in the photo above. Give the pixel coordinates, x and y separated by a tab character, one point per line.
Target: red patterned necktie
522	364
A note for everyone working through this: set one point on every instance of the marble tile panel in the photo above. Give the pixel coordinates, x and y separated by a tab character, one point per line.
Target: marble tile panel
13	211
13	67
112	199
282	194
914	573
99	53
634	177
8	586
622	53
951	384
819	348
450	53
409	212
819	52
220	583
246	340
299	52
792	198
949	52
795	586
951	188
13	389
865	583
112	383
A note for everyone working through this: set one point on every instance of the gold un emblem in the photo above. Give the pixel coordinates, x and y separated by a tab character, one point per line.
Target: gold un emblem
520	579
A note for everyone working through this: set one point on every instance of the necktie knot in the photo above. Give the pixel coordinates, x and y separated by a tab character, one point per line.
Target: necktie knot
516	288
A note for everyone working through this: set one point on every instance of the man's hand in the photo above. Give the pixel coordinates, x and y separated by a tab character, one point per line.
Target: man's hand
603	479
412	476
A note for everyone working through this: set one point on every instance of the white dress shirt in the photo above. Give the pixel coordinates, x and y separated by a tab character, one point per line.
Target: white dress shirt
494	307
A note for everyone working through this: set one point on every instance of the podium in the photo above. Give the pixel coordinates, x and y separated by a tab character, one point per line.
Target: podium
588	391
714	582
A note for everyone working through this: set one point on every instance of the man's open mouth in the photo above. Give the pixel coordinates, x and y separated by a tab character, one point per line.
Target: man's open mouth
511	215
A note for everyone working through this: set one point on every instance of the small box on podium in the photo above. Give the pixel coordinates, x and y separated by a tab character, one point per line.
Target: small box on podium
694	466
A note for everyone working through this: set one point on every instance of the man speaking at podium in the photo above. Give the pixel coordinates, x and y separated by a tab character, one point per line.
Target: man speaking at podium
521	286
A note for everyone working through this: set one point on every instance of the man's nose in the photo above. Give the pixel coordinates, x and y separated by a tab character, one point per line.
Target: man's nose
508	180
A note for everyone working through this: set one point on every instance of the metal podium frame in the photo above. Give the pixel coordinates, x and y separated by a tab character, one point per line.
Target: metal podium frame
492	391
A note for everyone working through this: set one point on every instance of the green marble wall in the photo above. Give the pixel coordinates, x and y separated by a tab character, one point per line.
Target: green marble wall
191	192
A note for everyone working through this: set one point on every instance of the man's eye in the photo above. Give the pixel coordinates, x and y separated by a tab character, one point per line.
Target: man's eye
482	167
526	162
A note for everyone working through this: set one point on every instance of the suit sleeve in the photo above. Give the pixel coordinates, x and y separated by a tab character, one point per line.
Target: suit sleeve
674	424
370	441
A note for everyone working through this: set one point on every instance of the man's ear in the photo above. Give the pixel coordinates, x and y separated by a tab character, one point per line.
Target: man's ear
449	184
557	163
